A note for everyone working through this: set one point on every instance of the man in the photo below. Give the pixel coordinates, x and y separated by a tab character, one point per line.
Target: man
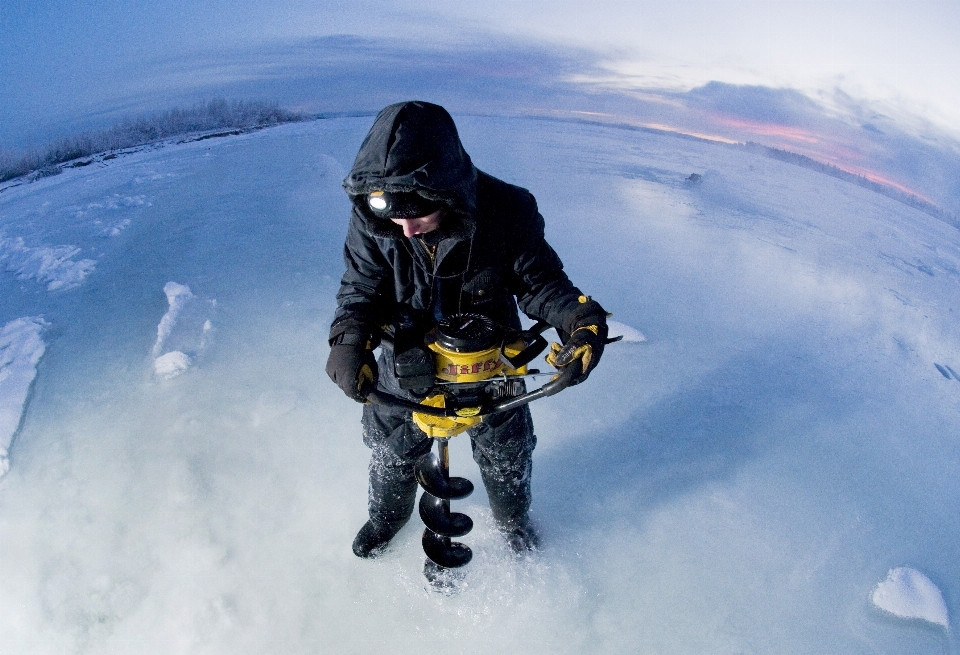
431	236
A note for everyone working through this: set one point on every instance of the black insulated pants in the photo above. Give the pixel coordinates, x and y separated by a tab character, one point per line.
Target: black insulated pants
502	447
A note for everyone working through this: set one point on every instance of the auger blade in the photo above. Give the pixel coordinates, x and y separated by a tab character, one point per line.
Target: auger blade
446	553
441	520
431	477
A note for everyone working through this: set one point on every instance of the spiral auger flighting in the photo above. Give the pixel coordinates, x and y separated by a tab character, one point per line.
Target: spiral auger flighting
444	555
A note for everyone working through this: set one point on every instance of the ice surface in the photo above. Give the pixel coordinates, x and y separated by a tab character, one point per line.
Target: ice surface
21	347
910	594
729	487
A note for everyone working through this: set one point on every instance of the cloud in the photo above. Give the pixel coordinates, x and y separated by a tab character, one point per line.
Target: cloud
727	73
786	107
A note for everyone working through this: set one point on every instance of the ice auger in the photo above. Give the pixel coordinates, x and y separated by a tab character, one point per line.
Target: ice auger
467	368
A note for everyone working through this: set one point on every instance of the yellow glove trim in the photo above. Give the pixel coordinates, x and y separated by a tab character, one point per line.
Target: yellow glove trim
584	353
551	357
593	328
365	375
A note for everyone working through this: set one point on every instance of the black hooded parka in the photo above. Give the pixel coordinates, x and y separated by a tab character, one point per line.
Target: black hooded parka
491	255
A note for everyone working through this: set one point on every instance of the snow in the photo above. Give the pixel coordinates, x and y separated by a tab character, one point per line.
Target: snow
184	326
737	484
629	334
910	594
51	265
21	347
171	364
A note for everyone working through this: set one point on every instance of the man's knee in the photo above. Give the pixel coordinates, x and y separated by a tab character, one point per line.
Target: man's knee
394	432
505	441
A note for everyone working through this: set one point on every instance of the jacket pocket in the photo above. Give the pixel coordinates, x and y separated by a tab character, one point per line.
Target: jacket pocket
484	286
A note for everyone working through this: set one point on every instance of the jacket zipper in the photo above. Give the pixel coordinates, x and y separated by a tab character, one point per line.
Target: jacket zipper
433	266
431	253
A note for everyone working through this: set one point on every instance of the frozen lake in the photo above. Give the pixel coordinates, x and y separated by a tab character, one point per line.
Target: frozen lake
741	481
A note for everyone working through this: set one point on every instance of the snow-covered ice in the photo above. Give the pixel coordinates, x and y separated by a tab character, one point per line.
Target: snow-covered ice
910	594
737	484
21	347
171	364
105	209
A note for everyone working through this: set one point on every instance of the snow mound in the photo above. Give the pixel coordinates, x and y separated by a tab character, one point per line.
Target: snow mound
171	365
910	594
20	349
182	332
630	334
53	265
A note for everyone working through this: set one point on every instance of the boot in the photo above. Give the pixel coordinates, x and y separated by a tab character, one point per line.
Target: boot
520	535
373	539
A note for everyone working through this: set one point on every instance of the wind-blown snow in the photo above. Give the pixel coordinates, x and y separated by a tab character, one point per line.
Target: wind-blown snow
51	265
629	334
910	594
182	332
111	227
21	347
731	486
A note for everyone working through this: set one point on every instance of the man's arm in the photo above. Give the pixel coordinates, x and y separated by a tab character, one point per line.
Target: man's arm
360	299
547	293
544	290
356	326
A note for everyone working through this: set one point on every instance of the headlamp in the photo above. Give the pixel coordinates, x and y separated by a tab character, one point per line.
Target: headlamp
405	204
377	202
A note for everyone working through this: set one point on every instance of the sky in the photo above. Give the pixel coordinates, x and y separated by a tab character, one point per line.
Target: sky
66	55
869	86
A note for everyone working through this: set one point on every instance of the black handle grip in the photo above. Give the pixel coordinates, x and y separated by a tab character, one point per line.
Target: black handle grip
377	397
561	381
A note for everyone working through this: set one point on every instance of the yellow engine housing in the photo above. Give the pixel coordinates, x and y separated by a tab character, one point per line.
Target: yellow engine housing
452	366
464	367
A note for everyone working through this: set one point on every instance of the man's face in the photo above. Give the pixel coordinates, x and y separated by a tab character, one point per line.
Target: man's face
422	225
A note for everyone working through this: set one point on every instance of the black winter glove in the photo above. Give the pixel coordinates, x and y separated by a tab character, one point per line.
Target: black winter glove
351	365
588	335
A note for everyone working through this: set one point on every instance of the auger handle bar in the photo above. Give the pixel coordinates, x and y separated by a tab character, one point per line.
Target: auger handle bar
561	381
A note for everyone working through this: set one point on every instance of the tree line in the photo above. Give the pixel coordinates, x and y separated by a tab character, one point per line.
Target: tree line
217	114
